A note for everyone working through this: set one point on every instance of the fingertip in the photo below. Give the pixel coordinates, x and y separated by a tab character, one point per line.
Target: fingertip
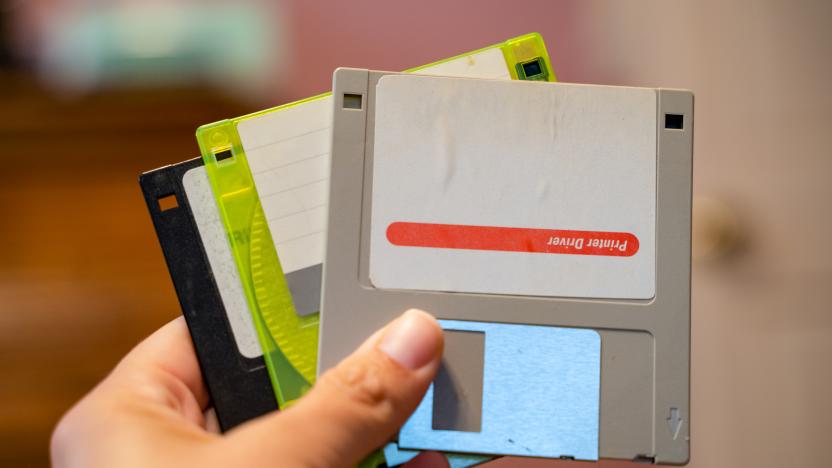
171	350
423	315
414	340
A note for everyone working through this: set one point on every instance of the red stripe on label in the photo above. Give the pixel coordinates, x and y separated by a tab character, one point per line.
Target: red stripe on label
510	239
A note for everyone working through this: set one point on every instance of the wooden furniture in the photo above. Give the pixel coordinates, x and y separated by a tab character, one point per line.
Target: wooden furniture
82	278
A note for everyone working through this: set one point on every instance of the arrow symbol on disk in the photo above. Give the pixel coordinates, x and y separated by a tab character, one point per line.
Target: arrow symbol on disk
675	422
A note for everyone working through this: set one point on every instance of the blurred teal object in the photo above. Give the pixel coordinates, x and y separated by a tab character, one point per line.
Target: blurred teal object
229	44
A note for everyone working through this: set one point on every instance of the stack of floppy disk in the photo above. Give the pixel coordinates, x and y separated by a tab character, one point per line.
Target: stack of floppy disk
546	226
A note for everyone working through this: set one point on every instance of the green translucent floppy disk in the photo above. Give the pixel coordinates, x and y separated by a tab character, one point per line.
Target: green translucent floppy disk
269	172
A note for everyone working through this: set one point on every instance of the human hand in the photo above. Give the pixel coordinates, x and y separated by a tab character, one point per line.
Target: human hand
151	409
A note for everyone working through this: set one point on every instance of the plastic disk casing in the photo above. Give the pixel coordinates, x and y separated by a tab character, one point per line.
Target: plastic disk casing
290	340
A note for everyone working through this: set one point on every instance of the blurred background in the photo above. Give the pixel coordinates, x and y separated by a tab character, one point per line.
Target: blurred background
92	93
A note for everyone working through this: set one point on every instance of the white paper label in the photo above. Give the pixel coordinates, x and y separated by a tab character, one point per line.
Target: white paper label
215	242
288	153
521	188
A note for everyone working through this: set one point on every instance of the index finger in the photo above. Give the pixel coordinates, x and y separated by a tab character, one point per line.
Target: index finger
171	351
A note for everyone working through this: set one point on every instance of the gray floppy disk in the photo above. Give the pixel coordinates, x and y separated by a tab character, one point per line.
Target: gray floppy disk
539	205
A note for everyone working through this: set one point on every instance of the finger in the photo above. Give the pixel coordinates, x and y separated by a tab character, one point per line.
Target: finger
357	406
164	368
146	396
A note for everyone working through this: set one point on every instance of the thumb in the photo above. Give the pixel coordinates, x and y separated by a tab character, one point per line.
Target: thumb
357	406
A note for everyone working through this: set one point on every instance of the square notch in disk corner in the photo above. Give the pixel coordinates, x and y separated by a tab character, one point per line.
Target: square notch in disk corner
352	101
